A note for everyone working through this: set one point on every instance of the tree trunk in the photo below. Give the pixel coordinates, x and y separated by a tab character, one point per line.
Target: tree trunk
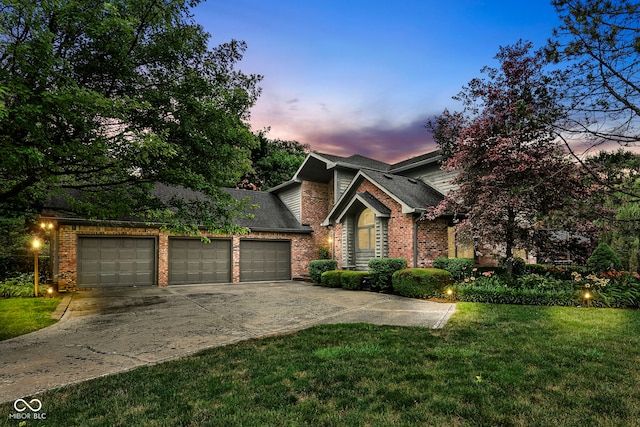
511	219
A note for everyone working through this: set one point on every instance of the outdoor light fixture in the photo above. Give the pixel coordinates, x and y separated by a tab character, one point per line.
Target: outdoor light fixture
36	247
450	293
587	296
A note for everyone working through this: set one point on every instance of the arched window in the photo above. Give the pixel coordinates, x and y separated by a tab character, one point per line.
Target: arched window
366	230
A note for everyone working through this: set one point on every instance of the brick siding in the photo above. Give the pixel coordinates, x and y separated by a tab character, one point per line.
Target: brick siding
302	248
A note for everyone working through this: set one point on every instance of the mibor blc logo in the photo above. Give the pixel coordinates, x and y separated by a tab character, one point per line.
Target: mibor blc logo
34	406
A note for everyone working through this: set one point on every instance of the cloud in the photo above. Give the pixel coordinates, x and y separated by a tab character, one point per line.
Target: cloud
382	141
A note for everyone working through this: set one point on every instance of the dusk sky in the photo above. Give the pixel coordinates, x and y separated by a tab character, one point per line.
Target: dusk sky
363	77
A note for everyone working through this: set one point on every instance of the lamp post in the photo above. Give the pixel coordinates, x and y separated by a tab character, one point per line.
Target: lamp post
36	247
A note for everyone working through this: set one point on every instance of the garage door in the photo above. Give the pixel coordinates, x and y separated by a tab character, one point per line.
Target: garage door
116	261
193	261
265	260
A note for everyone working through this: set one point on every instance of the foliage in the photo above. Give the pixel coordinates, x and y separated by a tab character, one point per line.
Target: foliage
598	40
603	258
104	100
274	162
421	282
617	176
512	172
319	266
500	294
381	271
353	280
516	266
19	316
20	286
331	278
458	267
323	252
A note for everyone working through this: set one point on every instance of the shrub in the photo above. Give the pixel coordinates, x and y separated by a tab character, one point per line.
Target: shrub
458	267
421	282
518	266
319	266
352	280
507	295
331	279
20	286
382	269
323	252
603	258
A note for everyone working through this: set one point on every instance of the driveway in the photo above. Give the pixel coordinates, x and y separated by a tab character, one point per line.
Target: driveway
105	331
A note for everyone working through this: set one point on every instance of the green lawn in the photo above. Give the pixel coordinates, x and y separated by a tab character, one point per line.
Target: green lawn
19	316
492	365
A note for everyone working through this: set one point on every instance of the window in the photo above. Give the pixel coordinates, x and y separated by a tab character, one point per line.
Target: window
366	230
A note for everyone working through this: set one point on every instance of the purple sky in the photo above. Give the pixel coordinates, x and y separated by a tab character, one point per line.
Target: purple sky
363	77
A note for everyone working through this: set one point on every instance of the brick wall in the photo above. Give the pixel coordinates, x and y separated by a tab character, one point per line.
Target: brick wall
302	250
317	200
433	240
432	235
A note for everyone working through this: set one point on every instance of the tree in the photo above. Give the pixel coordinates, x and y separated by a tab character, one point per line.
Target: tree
102	100
512	171
274	162
620	218
599	41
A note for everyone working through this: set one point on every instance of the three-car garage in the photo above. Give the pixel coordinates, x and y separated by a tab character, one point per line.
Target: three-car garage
133	260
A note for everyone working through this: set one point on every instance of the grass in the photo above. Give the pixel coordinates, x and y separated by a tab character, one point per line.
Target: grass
497	365
19	316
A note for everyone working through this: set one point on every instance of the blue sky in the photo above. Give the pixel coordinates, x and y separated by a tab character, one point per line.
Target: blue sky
363	77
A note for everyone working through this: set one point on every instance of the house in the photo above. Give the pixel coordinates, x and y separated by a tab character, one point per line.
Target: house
357	207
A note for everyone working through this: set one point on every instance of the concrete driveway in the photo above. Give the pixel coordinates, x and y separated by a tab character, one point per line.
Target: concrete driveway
102	332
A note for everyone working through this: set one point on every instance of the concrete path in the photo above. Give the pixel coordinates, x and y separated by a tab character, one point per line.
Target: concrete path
108	331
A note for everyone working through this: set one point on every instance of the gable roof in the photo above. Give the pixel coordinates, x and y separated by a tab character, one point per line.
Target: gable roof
413	195
271	214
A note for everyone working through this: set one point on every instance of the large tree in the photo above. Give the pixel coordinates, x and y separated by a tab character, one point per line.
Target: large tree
274	161
512	172
101	100
620	218
599	41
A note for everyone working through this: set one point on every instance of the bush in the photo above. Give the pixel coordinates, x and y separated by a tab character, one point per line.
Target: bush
352	280
319	266
507	295
382	269
518	266
421	282
458	267
323	252
331	279
20	286
603	258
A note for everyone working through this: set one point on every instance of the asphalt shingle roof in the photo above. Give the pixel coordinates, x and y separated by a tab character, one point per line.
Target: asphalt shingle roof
412	192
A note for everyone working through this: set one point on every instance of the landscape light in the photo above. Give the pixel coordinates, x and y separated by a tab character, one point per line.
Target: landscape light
36	246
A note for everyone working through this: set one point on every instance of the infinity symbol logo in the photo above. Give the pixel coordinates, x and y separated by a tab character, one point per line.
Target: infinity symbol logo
37	405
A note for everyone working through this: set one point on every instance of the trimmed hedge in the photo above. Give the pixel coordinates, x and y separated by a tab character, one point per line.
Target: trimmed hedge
352	280
507	295
319	266
331	279
381	271
458	267
421	282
